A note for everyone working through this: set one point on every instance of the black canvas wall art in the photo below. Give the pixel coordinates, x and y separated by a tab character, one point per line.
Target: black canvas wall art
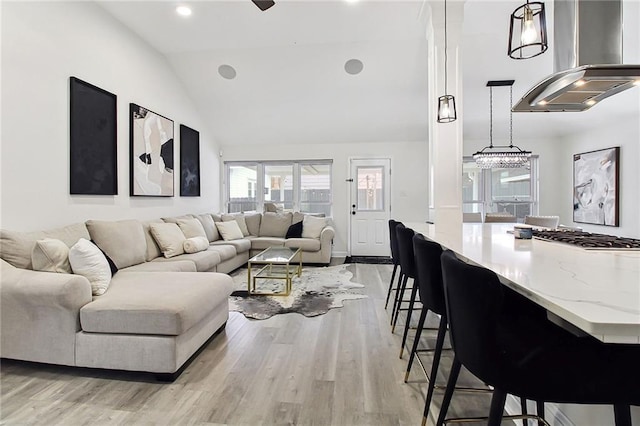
595	187
151	153
189	162
93	140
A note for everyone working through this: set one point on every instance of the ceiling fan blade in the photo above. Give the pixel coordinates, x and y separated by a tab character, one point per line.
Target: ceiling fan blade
263	4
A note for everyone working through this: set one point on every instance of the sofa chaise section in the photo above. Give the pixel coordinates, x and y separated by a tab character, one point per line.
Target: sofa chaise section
152	321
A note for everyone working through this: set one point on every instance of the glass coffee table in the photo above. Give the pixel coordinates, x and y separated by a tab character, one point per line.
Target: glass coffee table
277	263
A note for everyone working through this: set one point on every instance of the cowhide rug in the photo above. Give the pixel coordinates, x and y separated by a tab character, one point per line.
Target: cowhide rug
314	293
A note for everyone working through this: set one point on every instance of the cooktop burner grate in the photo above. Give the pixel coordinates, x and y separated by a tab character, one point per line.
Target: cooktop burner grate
588	240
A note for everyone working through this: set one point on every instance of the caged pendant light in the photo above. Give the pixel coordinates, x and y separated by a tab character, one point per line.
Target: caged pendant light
447	103
528	31
511	157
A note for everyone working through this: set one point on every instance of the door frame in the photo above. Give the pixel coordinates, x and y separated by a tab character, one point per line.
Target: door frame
349	181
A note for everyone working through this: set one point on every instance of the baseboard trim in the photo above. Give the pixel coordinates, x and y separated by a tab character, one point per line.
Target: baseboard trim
553	415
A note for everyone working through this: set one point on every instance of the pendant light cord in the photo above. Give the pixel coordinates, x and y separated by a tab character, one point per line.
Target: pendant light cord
511	115
445	48
490	117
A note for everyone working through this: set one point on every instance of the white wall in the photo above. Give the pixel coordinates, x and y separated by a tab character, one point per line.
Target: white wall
43	44
626	135
409	179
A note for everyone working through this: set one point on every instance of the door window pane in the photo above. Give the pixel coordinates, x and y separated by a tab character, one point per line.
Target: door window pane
370	184
315	188
278	185
242	188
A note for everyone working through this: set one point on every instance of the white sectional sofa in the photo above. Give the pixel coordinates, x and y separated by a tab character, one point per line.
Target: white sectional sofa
156	312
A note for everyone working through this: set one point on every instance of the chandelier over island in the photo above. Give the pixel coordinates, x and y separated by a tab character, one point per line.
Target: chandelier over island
501	156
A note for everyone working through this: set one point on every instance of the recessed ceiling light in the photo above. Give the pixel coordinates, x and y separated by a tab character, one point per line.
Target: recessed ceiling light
542	102
580	83
183	10
591	102
353	66
636	83
227	71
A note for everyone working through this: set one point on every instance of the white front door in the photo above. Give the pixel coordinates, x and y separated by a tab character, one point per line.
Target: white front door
370	207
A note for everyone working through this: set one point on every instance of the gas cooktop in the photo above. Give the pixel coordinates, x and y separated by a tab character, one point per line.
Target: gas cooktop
588	240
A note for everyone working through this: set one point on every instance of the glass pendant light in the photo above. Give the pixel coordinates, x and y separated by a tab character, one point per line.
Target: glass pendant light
446	103
528	31
491	157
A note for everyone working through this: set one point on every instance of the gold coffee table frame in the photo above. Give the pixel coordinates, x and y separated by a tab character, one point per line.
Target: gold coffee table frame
276	264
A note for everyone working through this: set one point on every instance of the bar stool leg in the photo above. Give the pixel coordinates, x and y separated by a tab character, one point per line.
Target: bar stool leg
395	297
523	405
407	325
622	414
397	305
442	332
497	407
414	349
393	277
448	393
540	411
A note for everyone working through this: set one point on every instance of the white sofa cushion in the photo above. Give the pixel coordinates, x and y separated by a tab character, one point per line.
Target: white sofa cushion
238	217
169	237
87	260
16	247
153	250
51	255
209	226
192	227
196	244
305	244
230	230
241	245
152	303
313	226
253	223
275	224
122	240
261	243
205	261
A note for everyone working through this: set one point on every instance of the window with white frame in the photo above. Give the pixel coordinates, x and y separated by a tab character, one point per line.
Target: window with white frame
294	185
513	191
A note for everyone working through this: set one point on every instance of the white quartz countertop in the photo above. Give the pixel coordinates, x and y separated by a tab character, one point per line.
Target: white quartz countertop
597	291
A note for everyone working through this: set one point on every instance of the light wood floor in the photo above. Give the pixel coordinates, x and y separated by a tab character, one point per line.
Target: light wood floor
341	368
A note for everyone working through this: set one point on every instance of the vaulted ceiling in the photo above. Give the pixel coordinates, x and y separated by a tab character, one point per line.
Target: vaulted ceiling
290	82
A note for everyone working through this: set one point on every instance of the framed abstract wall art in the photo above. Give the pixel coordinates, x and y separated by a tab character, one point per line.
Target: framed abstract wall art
596	179
151	153
189	162
93	155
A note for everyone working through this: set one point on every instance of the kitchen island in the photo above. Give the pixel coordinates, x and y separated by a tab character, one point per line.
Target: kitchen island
593	291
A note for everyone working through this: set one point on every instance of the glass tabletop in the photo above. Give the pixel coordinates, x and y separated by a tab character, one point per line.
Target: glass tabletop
275	255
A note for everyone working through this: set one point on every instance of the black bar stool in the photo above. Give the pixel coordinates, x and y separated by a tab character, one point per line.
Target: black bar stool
408	265
525	356
393	243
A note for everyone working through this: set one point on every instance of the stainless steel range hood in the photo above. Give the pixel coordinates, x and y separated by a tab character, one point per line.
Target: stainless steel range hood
587	59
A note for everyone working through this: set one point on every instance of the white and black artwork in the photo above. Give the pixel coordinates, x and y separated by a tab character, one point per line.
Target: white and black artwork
93	140
595	187
151	150
189	162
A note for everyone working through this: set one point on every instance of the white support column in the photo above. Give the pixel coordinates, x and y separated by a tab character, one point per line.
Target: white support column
445	139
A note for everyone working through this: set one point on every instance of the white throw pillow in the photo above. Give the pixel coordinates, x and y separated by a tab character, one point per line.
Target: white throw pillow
229	230
242	223
192	228
313	226
87	260
51	255
196	244
169	237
